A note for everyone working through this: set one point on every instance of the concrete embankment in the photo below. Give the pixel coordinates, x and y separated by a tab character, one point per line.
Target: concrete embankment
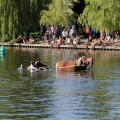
45	45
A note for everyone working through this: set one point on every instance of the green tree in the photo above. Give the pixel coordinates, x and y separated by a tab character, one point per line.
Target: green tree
35	9
14	16
59	12
101	15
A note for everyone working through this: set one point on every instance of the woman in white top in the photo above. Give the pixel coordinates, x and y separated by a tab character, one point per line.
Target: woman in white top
32	67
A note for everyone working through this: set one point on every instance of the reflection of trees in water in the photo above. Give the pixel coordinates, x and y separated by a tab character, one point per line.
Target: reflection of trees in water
92	96
69	75
29	52
46	52
87	53
2	56
70	54
28	96
98	102
107	54
60	54
106	63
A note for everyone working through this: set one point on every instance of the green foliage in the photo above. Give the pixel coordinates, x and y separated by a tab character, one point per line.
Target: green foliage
101	15
59	12
19	16
16	17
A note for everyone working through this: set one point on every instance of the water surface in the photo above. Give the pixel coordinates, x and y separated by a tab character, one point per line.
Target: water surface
50	95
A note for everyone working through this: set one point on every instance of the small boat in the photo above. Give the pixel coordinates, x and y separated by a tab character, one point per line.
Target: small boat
75	65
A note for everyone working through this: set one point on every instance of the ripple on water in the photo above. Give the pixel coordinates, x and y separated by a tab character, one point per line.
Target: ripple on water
52	95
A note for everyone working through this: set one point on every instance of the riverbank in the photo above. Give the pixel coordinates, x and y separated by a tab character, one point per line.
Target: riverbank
42	44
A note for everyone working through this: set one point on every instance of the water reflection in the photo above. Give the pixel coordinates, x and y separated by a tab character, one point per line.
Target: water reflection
51	95
98	102
2	56
65	75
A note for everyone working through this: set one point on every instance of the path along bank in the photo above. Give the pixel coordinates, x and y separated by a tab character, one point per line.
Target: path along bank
45	45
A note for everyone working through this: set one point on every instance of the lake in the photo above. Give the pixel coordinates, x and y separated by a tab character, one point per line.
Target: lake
50	95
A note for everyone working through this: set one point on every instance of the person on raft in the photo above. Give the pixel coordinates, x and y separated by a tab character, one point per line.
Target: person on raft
40	65
83	61
32	67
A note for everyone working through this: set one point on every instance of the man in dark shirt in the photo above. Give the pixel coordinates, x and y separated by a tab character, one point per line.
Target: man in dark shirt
38	64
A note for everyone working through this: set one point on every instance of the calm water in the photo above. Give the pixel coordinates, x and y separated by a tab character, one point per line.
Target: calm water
49	95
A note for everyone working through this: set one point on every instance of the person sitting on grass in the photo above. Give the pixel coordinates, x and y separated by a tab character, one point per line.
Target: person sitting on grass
20	39
31	40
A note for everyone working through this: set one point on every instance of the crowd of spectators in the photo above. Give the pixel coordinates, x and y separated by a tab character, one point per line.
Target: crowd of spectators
27	39
104	39
71	36
56	36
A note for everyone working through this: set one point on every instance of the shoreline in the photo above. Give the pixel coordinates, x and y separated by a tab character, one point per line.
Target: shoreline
46	45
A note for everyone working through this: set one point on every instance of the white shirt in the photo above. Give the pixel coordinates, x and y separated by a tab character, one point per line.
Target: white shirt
31	67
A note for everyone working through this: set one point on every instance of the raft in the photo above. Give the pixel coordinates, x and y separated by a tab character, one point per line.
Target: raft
75	65
69	66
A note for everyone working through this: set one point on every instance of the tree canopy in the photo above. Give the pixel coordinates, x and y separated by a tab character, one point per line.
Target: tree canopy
18	16
59	12
101	15
13	16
